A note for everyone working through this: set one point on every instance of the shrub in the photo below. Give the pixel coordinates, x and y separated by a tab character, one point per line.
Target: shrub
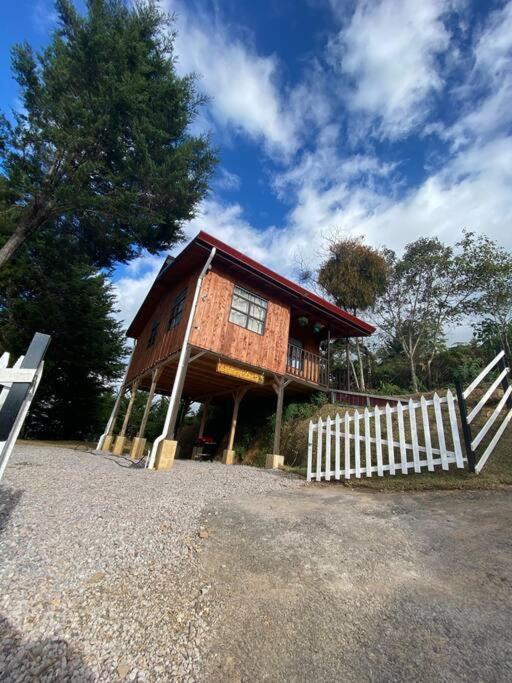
390	389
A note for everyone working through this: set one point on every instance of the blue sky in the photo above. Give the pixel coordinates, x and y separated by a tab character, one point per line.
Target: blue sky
390	119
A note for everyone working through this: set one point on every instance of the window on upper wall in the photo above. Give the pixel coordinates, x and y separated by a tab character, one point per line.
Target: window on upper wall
153	333
248	310
177	309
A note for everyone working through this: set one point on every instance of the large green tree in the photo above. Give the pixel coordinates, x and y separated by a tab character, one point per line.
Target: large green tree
101	151
50	288
495	296
353	275
432	285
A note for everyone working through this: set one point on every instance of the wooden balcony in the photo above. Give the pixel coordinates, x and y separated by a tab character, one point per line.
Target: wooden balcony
308	366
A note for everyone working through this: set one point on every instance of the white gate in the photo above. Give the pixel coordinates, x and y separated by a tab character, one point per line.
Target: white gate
18	386
414	436
469	414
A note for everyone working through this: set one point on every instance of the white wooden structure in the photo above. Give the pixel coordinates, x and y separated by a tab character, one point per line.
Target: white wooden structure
468	415
18	385
417	436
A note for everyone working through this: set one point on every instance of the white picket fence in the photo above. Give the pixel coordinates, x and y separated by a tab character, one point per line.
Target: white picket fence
364	443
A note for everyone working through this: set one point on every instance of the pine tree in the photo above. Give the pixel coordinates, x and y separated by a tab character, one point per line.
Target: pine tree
101	150
50	288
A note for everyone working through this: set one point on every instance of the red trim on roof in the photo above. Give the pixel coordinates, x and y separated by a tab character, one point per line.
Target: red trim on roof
284	282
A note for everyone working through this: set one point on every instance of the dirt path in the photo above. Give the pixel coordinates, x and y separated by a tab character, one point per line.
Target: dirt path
326	584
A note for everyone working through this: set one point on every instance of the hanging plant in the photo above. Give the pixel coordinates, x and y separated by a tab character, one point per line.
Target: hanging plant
303	321
318	327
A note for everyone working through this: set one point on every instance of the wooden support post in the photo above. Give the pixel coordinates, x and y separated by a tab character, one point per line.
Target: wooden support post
279	389
105	440
119	442
204	414
229	454
275	459
154	379
237	398
134	389
139	442
197	450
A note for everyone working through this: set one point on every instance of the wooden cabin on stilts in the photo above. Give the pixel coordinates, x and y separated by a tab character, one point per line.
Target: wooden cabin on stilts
217	324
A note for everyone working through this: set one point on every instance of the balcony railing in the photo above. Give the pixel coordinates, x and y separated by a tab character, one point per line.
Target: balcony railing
308	366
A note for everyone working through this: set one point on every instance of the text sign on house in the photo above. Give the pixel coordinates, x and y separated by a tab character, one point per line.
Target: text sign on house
240	373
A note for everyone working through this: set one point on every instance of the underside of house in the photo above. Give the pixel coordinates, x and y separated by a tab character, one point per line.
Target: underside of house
217	324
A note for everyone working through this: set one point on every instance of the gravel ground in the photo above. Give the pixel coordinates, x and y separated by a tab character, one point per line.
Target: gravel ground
215	573
100	564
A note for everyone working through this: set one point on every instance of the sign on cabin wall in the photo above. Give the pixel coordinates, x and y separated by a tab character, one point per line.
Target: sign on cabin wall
233	371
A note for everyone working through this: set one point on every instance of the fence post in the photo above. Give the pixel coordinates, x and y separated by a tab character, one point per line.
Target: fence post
337	440
466	429
504	382
310	451
346	427
320	429
328	448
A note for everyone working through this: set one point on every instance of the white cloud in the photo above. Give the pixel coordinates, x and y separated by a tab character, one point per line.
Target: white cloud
491	80
224	221
44	16
389	51
227	223
225	180
244	86
132	287
471	191
493	51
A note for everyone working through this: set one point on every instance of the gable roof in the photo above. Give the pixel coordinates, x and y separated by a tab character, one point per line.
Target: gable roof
194	256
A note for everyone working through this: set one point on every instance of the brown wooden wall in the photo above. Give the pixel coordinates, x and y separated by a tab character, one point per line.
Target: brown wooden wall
167	341
212	329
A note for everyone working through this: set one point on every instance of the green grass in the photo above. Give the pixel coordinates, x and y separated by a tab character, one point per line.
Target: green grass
74	445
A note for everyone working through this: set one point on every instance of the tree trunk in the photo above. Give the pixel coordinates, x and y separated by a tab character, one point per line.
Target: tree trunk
347	360
356	381
429	372
369	370
414	379
506	344
360	363
26	227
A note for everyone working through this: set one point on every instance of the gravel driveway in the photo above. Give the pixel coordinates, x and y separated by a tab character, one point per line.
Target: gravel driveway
216	573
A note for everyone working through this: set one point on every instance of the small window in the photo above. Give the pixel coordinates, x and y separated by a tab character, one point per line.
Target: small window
177	309
248	310
153	333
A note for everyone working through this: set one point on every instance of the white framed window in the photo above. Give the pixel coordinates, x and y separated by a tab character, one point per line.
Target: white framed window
248	310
